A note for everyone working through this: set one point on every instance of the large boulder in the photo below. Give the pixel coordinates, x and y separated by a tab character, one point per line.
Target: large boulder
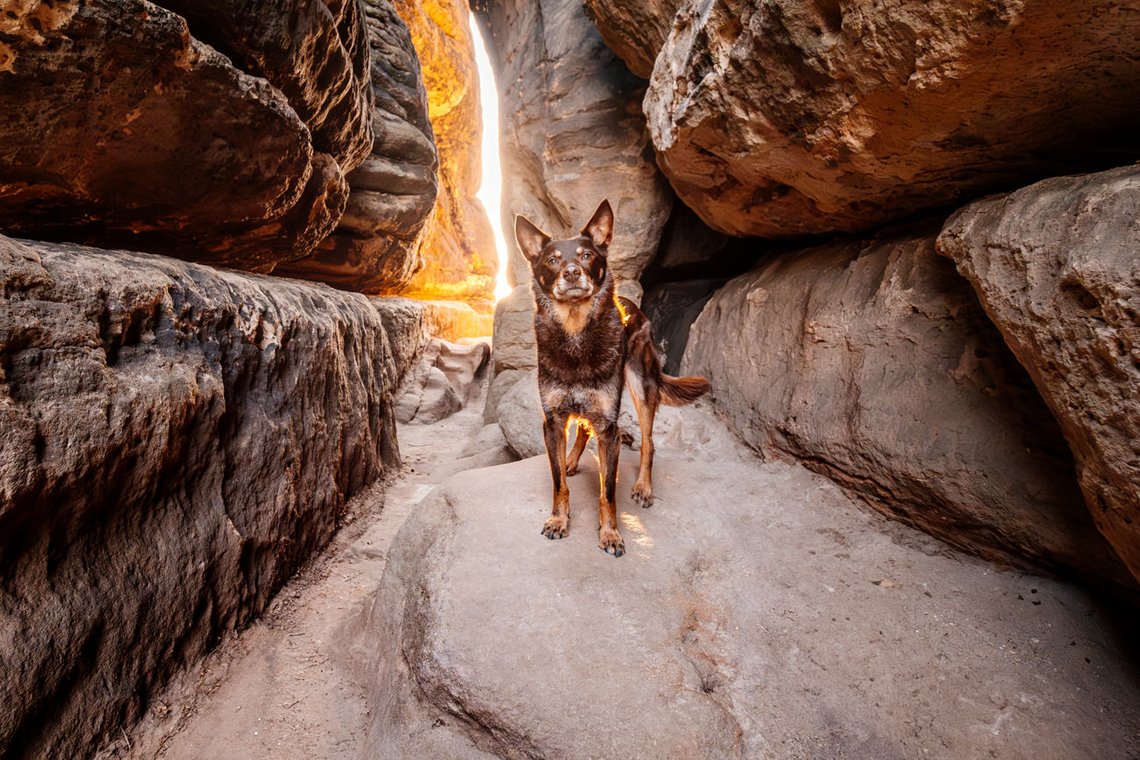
174	443
784	118
1057	268
122	126
634	29
572	133
757	613
458	247
872	362
375	248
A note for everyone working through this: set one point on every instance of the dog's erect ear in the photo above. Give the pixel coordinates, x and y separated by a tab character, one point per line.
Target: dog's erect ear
531	239
600	228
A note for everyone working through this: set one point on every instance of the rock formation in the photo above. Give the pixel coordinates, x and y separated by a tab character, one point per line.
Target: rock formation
1057	268
758	613
123	127
784	118
573	133
871	361
636	31
375	248
176	442
458	248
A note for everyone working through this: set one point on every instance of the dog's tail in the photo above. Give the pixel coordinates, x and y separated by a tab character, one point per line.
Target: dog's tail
678	391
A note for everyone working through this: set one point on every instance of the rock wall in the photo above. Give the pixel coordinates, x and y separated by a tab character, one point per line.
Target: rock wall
872	362
124	127
572	133
784	118
1057	268
174	442
375	248
458	247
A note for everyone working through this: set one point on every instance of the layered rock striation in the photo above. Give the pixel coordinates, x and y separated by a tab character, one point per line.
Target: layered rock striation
176	442
124	127
1057	268
782	119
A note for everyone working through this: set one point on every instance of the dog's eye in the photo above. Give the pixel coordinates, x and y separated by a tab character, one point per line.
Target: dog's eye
586	255
552	261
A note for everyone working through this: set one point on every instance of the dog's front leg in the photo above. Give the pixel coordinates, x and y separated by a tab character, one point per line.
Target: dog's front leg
609	539
554	431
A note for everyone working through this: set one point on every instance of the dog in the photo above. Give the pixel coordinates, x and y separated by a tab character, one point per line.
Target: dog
590	344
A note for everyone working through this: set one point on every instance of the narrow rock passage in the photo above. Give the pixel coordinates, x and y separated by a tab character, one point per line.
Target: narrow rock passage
285	688
759	613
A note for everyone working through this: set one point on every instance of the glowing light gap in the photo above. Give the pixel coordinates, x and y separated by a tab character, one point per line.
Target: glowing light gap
491	183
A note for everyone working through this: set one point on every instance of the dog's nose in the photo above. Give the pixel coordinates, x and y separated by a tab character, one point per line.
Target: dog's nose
571	272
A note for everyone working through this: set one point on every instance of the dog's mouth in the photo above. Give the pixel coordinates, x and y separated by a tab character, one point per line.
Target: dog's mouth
576	292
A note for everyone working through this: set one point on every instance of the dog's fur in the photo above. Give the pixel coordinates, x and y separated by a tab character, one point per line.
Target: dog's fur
590	344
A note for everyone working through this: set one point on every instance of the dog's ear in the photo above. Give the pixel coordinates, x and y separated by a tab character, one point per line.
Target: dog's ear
530	238
600	228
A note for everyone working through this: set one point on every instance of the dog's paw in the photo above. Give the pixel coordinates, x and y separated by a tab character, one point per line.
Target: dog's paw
557	526
571	469
643	495
610	541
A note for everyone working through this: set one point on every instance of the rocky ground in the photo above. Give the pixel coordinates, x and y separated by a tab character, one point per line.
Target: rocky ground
857	637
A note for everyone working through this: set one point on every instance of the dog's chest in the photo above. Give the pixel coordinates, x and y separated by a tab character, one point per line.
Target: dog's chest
595	403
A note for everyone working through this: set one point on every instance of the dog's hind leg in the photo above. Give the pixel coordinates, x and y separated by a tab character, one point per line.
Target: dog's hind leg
646	398
554	431
609	446
575	455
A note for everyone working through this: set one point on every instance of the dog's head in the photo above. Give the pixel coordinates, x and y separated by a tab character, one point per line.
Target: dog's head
569	270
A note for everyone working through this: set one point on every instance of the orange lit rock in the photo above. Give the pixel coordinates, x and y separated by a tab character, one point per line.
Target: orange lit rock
457	246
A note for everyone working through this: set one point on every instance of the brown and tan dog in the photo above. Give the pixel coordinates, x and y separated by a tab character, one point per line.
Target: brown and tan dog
590	343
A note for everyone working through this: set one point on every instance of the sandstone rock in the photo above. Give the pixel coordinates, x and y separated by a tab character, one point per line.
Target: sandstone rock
514	331
572	133
174	442
672	307
1056	267
444	379
500	385
636	31
519	414
872	362
120	127
375	247
785	118
458	247
753	608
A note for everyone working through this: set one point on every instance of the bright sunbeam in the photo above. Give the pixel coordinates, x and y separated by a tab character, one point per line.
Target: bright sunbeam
491	189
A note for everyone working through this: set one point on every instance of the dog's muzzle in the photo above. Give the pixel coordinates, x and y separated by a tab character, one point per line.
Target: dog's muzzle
573	284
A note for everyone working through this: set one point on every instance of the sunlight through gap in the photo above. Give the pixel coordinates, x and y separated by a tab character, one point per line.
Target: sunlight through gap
491	187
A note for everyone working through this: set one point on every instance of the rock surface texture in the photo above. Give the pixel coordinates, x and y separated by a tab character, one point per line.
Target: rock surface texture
636	31
780	622
458	247
573	133
873	363
1057	268
124	128
174	443
375	248
785	118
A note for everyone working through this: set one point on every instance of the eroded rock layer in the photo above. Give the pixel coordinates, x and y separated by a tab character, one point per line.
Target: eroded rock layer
174	443
872	362
573	133
123	128
458	247
786	118
1057	268
375	248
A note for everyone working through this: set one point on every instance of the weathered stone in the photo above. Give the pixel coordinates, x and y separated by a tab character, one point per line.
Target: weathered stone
514	331
519	414
636	30
375	248
785	118
573	134
444	379
872	362
500	385
458	247
1057	268
672	308
757	613
174	442
122	128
